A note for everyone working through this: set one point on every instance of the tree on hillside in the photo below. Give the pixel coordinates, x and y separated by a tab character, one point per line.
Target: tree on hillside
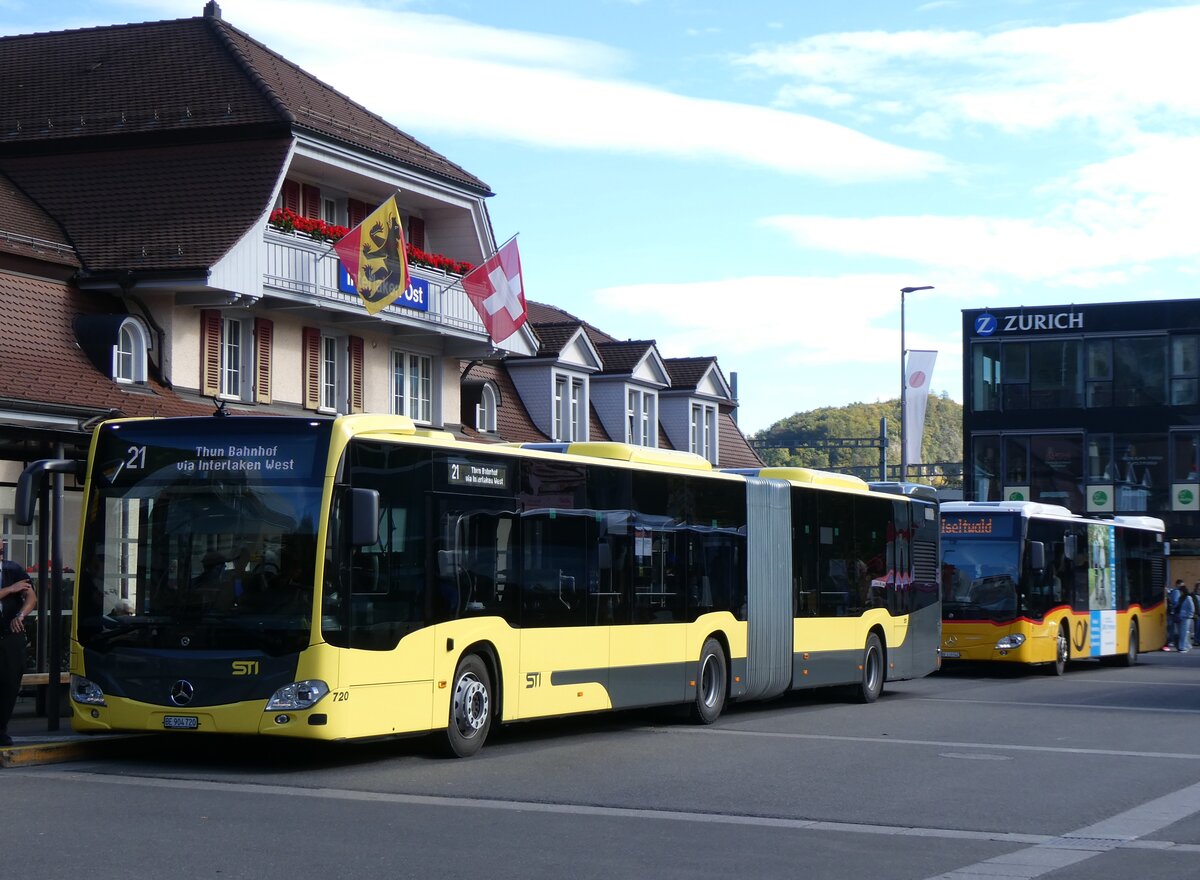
796	441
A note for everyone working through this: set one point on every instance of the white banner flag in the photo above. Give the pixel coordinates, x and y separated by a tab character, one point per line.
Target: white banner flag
918	372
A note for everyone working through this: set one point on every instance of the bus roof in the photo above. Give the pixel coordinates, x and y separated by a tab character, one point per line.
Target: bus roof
1035	508
806	476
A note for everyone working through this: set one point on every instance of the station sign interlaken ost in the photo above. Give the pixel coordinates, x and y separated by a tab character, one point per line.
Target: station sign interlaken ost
416	296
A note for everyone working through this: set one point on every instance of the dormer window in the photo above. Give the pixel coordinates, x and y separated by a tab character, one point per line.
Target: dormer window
703	436
641	419
129	354
485	410
570	409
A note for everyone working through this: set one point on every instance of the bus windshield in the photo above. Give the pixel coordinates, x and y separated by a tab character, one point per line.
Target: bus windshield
979	578
201	534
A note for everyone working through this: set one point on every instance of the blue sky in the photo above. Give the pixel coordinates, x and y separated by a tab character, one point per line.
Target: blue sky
757	181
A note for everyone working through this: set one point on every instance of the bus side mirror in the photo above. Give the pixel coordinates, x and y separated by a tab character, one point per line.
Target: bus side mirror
1037	555
364	517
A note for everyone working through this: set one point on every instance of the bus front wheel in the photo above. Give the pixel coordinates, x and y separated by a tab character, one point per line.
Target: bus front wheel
1130	657
871	685
1062	652
711	682
470	708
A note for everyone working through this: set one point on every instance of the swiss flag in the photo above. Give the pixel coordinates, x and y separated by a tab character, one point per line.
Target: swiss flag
496	291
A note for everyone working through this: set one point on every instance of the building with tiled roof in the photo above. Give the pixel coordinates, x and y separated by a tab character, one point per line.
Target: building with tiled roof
585	385
151	190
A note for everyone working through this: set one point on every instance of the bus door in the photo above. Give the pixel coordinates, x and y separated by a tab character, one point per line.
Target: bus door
899	587
564	632
649	665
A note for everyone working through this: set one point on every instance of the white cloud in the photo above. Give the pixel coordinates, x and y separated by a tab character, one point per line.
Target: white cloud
437	73
1114	215
1116	75
812	320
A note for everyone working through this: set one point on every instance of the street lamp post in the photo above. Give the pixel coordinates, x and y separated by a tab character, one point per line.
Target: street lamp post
904	383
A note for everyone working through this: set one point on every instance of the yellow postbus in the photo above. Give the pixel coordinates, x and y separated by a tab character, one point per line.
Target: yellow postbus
1031	583
358	577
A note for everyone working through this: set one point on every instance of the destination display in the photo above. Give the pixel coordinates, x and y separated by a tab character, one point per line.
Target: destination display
251	448
478	475
980	525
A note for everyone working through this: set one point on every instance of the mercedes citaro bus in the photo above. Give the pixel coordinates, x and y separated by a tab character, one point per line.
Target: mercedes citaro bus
358	577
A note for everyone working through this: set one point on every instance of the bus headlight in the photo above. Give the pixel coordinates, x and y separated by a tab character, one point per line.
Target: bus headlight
297	695
86	692
1009	642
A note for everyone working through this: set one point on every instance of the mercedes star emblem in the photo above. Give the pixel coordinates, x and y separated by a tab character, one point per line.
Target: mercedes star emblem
182	692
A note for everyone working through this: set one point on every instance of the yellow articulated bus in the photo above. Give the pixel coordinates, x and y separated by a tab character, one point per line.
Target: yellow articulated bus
1036	584
362	577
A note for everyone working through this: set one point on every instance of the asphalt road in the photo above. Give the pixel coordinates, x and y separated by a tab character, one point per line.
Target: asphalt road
966	774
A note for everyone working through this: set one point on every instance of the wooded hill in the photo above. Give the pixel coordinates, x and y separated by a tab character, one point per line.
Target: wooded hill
806	440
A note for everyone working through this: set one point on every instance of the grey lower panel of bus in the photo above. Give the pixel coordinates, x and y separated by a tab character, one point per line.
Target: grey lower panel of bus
769	588
925	636
825	668
632	686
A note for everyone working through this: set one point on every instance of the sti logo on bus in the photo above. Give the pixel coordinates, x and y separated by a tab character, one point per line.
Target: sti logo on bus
245	667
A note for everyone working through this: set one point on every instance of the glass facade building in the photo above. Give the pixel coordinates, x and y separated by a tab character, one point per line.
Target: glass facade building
1094	407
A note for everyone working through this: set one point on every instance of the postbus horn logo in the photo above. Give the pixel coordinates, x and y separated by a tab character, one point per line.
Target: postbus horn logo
985	324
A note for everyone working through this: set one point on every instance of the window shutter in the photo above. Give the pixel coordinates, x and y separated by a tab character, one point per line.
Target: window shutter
311	364
264	330
210	352
356	212
356	374
291	196
312	200
416	232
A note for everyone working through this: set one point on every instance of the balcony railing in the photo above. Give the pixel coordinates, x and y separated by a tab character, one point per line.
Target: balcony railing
309	270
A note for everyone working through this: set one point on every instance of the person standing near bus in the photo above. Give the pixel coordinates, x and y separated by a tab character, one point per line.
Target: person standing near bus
1196	615
1185	614
17	599
1172	621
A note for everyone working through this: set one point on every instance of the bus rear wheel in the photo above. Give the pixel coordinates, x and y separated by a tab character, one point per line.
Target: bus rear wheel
470	708
871	686
711	683
1130	657
1062	652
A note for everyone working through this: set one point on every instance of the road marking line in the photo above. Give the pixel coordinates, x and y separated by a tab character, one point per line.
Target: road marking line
1141	817
641	814
1121	830
1146	709
939	744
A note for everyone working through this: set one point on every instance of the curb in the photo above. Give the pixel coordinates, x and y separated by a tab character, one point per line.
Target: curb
60	752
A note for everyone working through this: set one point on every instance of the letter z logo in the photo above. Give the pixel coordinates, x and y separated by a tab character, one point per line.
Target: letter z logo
985	324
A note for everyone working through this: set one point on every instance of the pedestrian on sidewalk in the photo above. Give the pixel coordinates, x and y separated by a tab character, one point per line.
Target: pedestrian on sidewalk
1172	622
1196	615
1185	614
17	599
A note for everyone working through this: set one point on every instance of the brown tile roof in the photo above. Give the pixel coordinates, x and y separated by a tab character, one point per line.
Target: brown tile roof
27	231
153	78
513	424
180	78
732	447
543	313
622	357
154	209
43	365
596	432
317	107
687	372
552	337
